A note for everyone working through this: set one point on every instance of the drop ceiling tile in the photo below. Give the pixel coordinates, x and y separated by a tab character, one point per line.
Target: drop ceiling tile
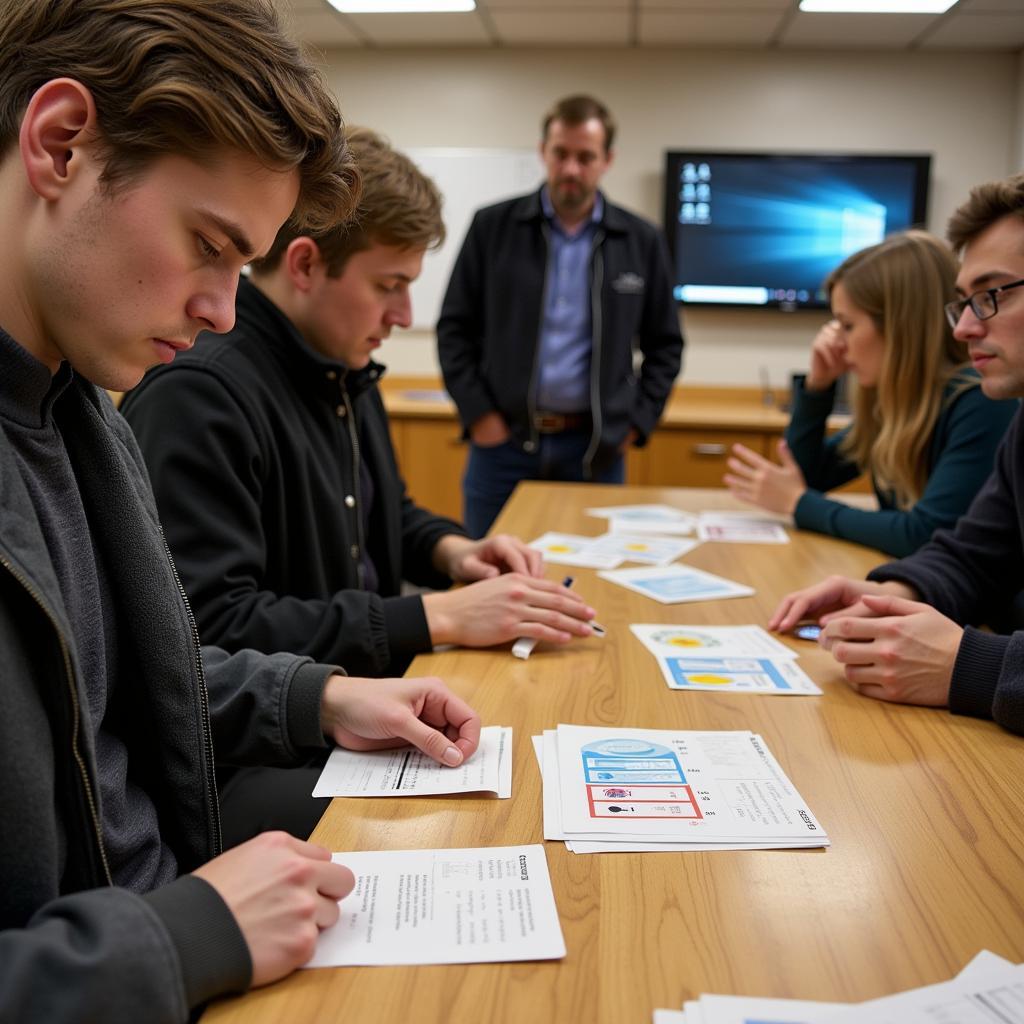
682	28
860	31
977	31
590	26
320	28
718	6
506	6
464	29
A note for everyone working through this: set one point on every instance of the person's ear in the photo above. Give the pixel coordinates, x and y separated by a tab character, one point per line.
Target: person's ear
610	158
303	263
58	126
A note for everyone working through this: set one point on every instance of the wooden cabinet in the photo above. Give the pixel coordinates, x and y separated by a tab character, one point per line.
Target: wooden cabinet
689	448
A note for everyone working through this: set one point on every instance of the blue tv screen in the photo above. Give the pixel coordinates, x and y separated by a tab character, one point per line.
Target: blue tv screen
760	229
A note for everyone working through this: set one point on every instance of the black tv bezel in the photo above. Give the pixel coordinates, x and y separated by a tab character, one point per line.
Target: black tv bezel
673	157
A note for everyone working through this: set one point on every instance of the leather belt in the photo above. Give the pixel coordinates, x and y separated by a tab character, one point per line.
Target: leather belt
557	422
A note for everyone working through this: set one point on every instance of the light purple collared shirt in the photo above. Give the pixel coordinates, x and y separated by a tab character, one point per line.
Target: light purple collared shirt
566	335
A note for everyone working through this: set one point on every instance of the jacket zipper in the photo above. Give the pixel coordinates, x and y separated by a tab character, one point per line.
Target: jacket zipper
531	397
353	436
76	716
204	702
596	329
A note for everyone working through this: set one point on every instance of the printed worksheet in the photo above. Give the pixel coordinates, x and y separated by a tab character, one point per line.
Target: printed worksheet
407	771
650	550
646	516
663	639
576	550
673	584
727	659
992	995
652	784
739	528
444	907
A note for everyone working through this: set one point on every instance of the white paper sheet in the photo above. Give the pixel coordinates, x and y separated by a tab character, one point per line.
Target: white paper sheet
672	584
409	772
649	549
726	659
485	905
740	528
574	549
648	515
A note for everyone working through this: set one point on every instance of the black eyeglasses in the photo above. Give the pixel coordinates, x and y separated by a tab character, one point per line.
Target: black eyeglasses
983	304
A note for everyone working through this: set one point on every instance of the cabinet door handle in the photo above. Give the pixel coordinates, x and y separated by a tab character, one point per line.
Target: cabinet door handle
709	450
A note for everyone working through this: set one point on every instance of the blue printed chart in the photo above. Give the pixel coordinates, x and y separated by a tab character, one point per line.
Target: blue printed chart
672	584
731	659
650	789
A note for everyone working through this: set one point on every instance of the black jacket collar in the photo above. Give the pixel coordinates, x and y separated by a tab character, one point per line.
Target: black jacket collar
259	316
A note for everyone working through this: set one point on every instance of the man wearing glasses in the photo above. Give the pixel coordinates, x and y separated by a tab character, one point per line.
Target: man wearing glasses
906	634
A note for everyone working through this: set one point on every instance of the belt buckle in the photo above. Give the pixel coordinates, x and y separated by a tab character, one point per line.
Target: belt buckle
549	422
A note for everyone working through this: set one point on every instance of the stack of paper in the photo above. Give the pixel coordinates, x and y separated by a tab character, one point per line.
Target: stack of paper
989	990
409	772
610	549
648	518
444	907
608	790
672	584
727	659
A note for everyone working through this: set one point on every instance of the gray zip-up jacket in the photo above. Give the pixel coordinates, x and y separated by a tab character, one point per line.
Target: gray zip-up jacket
72	945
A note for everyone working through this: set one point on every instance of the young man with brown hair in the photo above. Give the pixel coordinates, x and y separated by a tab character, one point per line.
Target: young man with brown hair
552	297
148	149
905	633
279	490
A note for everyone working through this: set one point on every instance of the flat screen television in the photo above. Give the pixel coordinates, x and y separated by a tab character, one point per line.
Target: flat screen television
765	229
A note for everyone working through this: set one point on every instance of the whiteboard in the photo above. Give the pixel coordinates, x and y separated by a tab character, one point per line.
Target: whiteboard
468	179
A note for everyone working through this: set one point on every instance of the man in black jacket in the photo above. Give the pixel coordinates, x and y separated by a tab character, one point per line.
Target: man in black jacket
906	634
278	487
550	296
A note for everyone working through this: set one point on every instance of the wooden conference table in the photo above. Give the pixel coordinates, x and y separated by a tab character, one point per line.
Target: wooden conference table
925	812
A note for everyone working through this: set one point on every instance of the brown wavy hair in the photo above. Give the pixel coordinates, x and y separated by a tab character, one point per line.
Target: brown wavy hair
183	77
987	203
902	284
399	206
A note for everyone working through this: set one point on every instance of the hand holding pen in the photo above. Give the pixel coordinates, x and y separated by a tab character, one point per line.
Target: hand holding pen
523	647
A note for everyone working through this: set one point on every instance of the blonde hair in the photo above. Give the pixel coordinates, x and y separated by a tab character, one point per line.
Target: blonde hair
902	284
399	206
182	77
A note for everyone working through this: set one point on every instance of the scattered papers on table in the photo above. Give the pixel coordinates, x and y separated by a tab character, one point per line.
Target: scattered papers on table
737	659
444	907
740	528
988	989
626	789
409	772
672	584
610	549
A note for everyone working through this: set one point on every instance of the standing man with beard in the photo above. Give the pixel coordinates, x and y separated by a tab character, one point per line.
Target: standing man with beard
551	296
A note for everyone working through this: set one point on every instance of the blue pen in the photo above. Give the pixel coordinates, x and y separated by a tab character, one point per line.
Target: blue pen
594	625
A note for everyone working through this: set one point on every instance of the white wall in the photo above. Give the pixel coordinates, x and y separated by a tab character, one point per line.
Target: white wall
962	108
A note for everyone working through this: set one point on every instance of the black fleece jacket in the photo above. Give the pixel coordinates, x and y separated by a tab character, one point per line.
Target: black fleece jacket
253	443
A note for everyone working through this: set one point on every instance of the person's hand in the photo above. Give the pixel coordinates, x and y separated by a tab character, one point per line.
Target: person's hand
828	358
467	561
756	480
497	610
282	892
629	441
374	714
905	653
836	595
489	430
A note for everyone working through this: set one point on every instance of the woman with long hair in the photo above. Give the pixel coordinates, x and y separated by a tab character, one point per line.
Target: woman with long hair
921	426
